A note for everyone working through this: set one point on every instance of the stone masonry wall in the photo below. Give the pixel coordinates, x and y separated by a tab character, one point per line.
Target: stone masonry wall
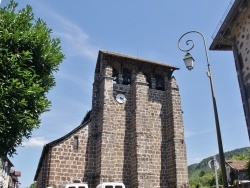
43	172
148	114
62	163
139	142
91	173
240	33
113	134
175	145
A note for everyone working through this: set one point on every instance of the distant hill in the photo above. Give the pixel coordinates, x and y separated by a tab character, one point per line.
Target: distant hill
196	168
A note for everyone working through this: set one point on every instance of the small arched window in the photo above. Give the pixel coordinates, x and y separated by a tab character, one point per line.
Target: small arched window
75	144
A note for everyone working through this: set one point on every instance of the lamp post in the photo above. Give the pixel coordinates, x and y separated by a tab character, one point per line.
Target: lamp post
189	62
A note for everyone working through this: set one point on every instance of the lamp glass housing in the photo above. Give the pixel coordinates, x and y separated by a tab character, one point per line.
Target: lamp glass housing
189	61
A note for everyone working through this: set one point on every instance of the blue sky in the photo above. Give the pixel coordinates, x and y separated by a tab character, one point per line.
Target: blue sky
149	30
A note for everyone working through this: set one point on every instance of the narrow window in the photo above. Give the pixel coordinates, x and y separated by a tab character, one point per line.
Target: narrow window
159	82
126	77
115	77
75	144
241	62
149	82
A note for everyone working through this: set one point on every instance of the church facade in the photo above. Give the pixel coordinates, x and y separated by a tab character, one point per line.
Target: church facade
134	133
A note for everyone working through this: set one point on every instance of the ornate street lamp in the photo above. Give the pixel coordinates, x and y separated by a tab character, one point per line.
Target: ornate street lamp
189	62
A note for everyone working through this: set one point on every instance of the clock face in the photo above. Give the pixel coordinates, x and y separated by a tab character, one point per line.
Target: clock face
120	98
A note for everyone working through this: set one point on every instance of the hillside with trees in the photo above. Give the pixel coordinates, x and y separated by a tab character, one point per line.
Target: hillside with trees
201	175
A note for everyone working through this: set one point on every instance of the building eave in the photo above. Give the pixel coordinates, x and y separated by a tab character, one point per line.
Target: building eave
222	39
104	55
137	60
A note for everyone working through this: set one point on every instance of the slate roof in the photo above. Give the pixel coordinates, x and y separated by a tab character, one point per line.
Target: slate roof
136	59
132	59
237	164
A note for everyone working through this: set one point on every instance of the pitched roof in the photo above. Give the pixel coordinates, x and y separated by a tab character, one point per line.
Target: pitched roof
137	60
237	164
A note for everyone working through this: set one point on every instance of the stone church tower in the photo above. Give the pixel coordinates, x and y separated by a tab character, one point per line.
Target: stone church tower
133	134
136	131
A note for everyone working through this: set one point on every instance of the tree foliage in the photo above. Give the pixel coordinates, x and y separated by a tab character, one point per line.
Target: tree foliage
201	175
28	58
241	157
33	185
248	168
203	180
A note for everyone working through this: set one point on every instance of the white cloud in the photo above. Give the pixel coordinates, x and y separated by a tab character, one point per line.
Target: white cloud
76	42
76	78
189	134
75	38
35	142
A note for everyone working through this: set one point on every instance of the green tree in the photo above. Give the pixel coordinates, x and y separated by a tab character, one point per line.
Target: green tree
28	58
240	157
33	185
202	173
219	173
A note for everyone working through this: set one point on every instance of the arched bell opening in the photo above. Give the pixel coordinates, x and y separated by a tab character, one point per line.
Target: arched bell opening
149	80
115	76
159	82
126	77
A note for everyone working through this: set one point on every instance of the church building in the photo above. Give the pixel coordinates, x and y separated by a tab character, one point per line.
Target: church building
133	134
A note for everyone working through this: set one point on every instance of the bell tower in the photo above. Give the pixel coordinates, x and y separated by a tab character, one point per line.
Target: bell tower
136	133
